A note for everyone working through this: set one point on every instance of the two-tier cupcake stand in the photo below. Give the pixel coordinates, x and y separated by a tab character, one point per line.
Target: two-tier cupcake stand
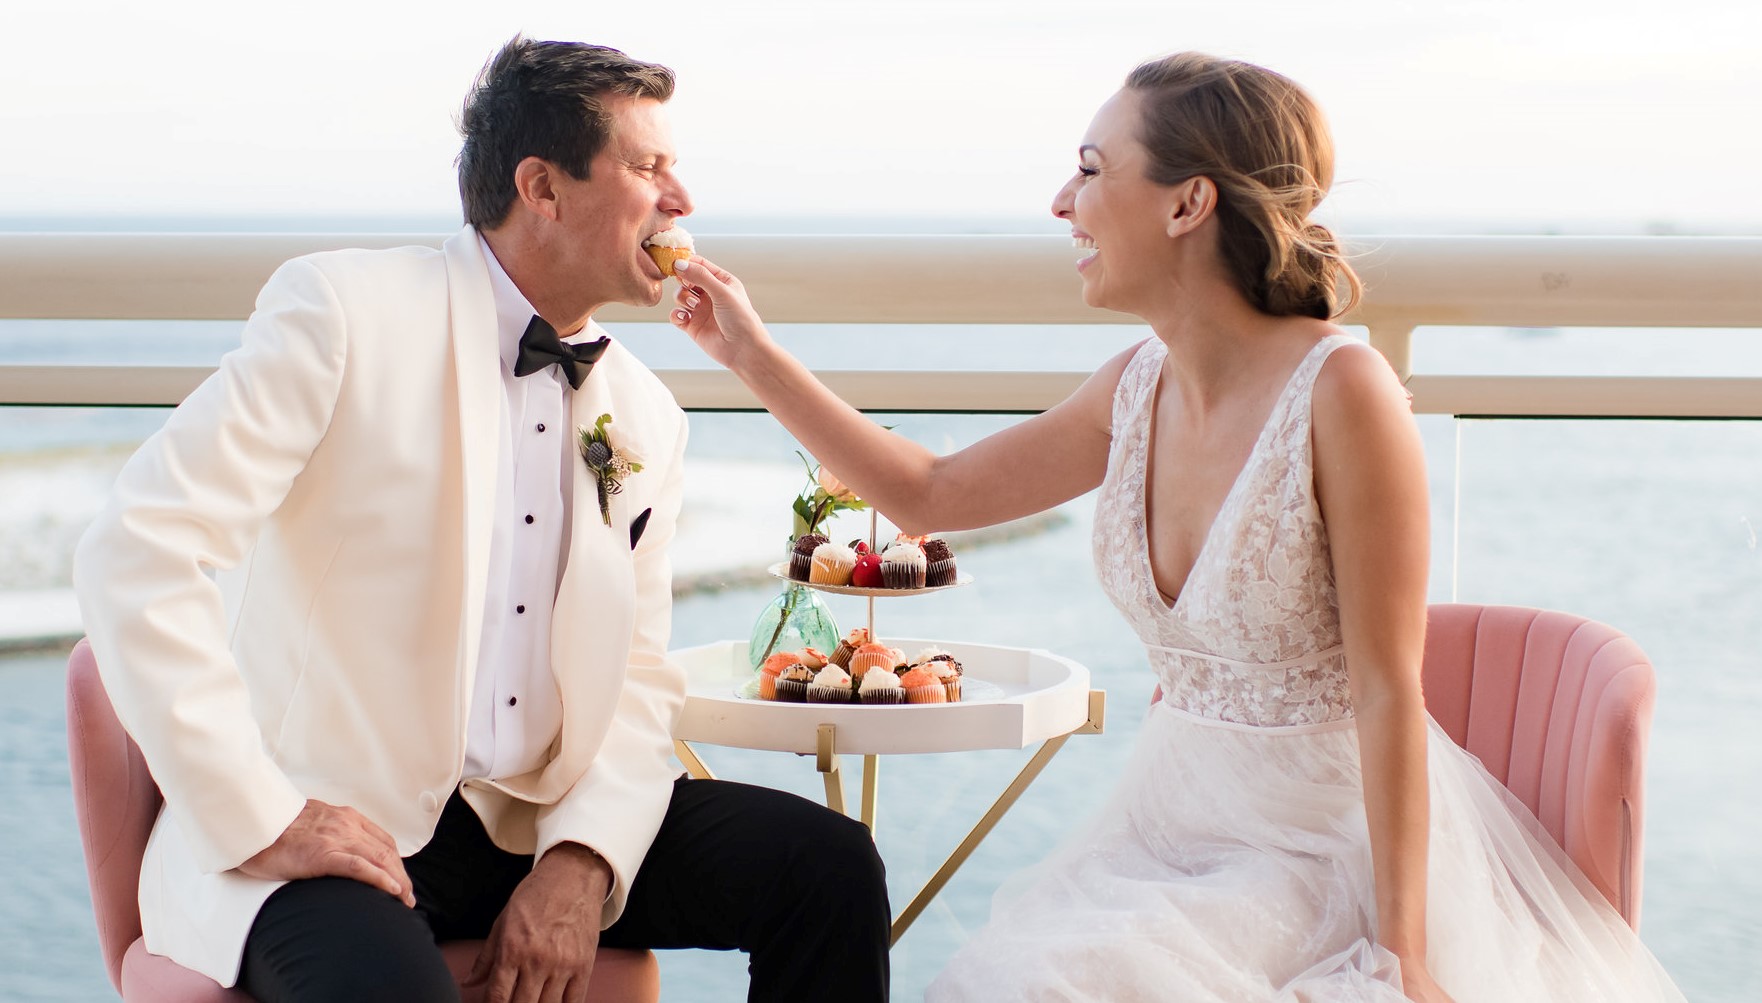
1014	697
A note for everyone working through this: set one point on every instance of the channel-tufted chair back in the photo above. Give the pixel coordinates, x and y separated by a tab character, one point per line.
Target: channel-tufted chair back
1558	708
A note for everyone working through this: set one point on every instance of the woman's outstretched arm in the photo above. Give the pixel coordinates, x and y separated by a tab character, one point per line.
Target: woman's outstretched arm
1026	468
1371	482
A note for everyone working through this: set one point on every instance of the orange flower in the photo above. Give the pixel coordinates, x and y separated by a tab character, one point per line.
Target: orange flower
834	488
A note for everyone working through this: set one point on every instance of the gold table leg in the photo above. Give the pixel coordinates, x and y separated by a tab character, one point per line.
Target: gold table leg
871	790
1042	756
693	765
992	816
826	761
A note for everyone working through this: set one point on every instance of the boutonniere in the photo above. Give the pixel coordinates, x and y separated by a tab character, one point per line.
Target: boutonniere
609	462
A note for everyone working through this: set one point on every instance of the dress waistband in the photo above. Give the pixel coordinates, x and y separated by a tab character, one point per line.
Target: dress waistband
1221	724
1289	663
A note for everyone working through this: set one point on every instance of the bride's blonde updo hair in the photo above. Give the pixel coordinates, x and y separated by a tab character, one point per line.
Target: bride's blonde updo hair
1264	143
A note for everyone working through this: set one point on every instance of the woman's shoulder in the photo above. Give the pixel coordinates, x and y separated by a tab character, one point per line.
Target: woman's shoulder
1356	390
1097	399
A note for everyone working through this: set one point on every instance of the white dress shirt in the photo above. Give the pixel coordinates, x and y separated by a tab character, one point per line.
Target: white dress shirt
515	711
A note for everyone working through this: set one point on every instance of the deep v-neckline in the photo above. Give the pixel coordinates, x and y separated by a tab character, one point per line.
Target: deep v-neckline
1211	530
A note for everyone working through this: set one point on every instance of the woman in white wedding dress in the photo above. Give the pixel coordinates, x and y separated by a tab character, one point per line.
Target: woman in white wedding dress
1292	826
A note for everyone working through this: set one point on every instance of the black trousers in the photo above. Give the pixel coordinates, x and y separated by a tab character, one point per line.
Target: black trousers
733	868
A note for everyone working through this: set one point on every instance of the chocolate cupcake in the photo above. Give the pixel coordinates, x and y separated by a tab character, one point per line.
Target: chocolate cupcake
881	688
801	559
902	567
831	685
847	647
938	563
792	684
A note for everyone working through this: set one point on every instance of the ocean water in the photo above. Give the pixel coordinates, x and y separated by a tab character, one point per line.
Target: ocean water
1650	526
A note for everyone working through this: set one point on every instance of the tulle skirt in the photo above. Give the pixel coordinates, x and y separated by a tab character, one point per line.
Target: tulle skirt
1233	864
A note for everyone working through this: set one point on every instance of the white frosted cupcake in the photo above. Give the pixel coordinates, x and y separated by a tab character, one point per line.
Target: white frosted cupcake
831	685
881	687
668	248
928	655
832	564
902	566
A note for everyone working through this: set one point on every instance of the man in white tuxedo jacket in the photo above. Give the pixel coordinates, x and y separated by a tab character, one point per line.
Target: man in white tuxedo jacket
395	651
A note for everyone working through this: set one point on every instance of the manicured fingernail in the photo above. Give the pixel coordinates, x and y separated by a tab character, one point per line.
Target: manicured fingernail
681	316
680	266
691	301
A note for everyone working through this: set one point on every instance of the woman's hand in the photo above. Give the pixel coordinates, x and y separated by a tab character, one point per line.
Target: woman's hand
714	311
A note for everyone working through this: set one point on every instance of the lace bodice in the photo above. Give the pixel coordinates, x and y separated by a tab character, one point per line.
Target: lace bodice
1254	637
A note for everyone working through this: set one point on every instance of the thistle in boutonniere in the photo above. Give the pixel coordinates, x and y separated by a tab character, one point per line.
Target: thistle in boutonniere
823	495
608	462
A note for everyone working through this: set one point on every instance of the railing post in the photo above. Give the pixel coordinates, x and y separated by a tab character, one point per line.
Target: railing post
1395	340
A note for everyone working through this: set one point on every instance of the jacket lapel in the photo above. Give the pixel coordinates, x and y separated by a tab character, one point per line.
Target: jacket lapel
477	372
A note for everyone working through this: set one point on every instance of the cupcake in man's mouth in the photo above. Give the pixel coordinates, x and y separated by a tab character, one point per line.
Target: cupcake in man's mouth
668	248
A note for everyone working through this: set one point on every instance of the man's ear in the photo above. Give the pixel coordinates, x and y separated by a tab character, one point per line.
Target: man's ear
1191	203
534	187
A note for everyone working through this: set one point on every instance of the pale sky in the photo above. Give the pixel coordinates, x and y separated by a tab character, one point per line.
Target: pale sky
1508	114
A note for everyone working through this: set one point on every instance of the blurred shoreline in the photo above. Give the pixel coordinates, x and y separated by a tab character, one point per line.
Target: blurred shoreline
715	549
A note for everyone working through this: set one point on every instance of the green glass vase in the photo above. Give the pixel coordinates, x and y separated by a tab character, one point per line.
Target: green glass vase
798	618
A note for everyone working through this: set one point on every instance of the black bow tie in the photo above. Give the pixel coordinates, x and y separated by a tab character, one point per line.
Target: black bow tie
540	347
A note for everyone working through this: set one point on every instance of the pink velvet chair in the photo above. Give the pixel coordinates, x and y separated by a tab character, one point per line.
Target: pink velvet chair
1558	708
116	801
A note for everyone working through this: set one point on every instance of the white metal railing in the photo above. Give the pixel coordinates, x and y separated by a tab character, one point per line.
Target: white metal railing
1412	281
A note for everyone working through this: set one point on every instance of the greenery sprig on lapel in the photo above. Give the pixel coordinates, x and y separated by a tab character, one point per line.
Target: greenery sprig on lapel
608	462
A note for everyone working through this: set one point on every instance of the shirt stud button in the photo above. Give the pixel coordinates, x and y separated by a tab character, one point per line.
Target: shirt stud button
520	609
541	426
513	700
529	520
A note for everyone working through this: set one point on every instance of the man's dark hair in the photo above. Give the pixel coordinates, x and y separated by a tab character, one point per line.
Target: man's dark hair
546	100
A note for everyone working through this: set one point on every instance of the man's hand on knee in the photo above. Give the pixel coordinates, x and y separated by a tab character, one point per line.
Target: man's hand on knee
543	944
327	841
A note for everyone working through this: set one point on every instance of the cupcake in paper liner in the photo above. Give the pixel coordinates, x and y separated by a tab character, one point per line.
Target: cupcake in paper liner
928	655
922	686
938	564
831	564
801	556
812	658
948	660
668	248
847	647
871	656
792	684
947	675
902	567
769	670
831	685
881	688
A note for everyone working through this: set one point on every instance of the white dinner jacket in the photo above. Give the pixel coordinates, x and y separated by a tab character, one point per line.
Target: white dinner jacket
337	474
